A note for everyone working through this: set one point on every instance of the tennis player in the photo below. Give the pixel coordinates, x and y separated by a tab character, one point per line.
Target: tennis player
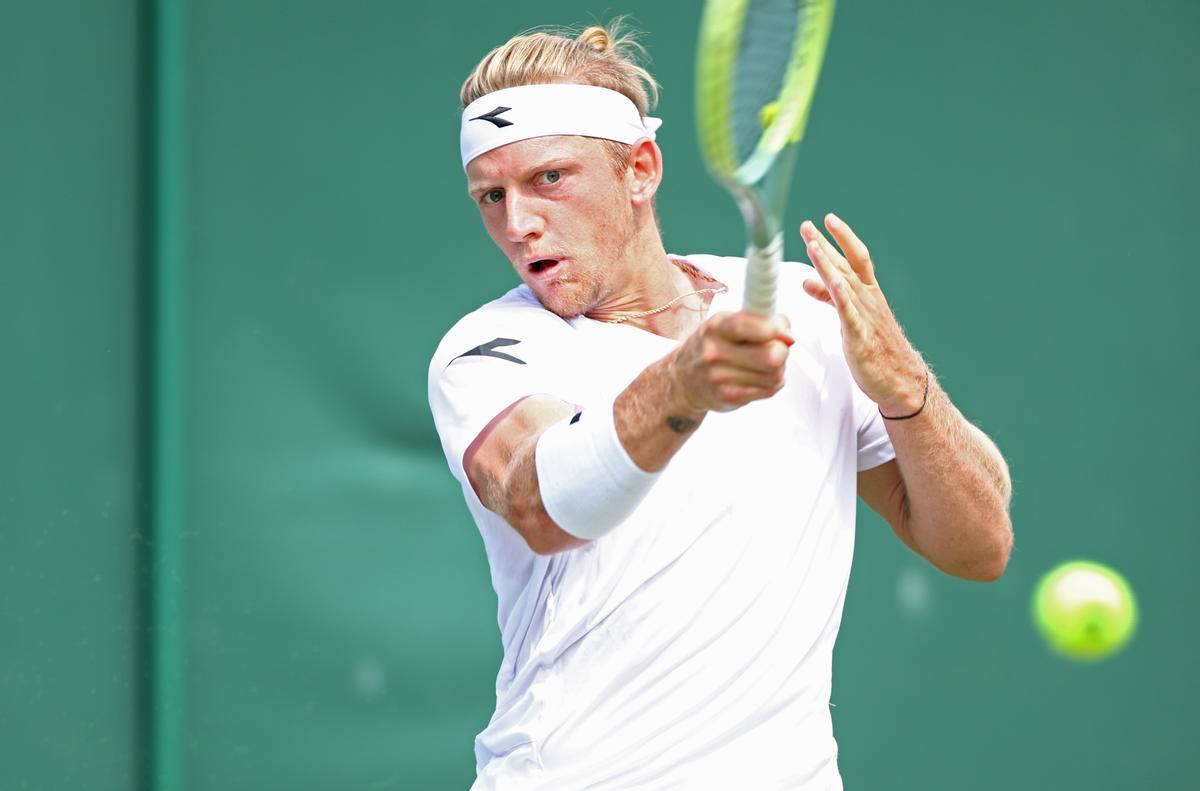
665	485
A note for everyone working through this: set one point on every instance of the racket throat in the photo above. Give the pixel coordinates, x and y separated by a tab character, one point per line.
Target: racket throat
764	250
762	229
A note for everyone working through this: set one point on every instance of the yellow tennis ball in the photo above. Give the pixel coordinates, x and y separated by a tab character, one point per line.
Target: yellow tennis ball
768	114
1085	610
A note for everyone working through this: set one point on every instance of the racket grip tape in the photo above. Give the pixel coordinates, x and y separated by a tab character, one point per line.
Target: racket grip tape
762	272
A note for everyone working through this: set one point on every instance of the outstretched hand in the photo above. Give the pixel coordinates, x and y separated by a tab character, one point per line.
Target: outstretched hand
884	364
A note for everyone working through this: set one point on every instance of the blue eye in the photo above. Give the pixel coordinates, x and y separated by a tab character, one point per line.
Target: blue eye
492	196
551	176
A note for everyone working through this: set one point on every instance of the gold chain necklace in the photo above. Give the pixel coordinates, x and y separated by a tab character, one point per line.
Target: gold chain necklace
639	314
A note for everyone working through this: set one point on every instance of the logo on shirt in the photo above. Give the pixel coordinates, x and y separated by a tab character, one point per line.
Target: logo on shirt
489	350
494	117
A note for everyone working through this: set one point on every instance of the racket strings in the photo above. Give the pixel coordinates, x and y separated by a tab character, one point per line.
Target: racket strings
765	52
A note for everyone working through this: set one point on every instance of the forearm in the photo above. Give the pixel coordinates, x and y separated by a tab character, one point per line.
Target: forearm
523	507
576	481
957	490
652	423
652	417
500	466
731	360
954	482
557	480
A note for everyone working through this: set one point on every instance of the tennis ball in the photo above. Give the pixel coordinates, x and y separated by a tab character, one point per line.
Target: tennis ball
1085	610
768	114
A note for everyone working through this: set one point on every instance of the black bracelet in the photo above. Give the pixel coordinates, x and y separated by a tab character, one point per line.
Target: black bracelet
924	398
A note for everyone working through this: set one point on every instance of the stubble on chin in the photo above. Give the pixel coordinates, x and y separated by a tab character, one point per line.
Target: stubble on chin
572	301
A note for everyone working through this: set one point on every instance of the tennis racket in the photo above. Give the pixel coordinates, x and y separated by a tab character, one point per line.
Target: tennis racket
756	70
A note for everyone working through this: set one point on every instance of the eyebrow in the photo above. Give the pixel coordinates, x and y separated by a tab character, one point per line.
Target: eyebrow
551	163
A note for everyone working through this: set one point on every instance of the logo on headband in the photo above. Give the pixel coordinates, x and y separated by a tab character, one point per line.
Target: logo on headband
494	117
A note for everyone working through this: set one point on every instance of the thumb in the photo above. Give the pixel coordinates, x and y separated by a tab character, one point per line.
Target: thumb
783	328
816	289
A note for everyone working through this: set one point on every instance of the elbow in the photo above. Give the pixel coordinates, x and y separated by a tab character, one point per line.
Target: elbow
977	551
995	563
979	570
550	545
991	571
543	536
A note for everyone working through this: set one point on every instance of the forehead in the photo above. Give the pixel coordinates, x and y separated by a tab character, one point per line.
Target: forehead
517	158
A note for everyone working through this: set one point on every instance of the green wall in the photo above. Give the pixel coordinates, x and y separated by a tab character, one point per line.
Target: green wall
71	507
233	232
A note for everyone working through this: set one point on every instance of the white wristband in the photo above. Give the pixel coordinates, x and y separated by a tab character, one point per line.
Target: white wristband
588	483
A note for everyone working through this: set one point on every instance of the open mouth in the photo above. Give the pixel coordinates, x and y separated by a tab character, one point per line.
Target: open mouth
543	265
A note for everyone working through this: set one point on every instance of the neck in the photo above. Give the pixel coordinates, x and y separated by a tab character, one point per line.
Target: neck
654	280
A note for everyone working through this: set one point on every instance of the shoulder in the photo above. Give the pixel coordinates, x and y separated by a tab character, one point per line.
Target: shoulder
730	270
517	317
801	309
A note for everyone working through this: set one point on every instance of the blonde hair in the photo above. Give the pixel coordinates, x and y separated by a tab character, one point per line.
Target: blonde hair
606	56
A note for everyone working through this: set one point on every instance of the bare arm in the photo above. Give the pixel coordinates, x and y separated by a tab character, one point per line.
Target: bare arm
947	493
730	360
499	465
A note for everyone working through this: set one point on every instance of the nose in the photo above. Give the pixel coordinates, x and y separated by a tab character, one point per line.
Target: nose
521	220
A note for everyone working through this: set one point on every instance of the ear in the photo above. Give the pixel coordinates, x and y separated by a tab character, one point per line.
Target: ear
645	171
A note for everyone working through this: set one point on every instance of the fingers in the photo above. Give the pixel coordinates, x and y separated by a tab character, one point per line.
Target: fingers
855	265
750	342
733	387
747	327
755	358
840	290
856	252
735	358
831	276
764	356
847	286
839	286
816	289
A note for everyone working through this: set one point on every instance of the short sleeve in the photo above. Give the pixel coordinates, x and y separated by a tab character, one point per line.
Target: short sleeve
484	366
874	444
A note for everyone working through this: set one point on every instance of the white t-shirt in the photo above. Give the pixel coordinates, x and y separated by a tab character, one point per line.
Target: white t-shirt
692	646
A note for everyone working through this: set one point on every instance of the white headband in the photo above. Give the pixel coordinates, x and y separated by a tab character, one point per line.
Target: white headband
526	111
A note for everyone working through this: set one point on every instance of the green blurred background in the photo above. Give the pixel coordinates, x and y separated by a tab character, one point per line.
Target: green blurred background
231	234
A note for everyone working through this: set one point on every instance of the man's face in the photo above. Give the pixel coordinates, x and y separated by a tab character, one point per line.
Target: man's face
560	214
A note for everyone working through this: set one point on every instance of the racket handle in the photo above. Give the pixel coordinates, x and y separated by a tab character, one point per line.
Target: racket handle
762	270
